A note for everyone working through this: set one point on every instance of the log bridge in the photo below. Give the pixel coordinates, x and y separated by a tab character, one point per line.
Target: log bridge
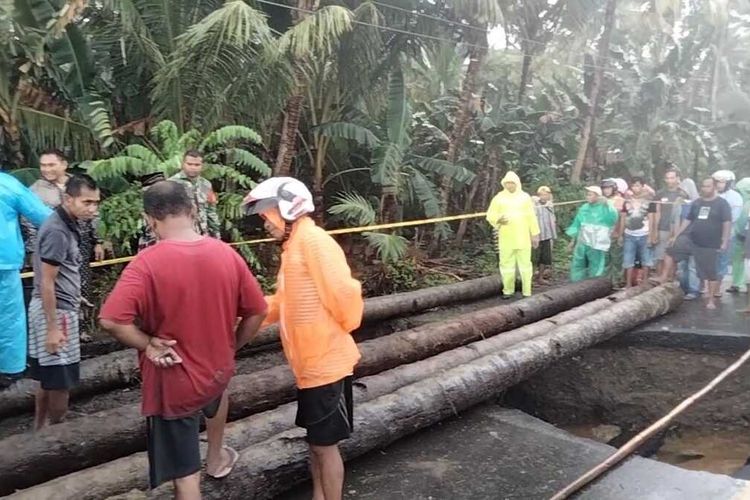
461	347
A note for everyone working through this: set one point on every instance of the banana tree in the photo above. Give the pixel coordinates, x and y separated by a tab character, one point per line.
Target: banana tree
49	81
230	164
401	174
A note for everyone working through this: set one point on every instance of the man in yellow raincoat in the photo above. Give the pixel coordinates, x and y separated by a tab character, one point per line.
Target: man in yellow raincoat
511	212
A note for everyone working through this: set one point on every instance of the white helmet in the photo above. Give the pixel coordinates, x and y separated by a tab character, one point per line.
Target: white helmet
622	186
723	176
288	194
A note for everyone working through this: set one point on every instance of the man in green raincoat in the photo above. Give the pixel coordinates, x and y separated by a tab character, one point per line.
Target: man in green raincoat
738	250
591	231
512	213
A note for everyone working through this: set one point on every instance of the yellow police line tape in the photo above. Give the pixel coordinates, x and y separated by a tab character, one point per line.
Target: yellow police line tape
347	230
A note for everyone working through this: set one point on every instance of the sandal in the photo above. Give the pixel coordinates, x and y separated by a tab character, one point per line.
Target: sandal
224	472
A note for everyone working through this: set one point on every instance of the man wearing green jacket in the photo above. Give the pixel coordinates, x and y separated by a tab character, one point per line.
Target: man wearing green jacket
738	249
591	231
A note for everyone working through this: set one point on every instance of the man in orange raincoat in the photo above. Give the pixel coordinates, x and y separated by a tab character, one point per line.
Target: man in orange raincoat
317	305
512	213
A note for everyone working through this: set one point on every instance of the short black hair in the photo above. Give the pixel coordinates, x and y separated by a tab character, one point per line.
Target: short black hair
167	198
671	167
53	151
639	180
77	182
194	153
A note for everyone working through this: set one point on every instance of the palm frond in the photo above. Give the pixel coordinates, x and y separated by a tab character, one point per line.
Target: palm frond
229	133
189	140
386	164
167	134
44	130
116	166
346	130
142	153
399	114
390	247
426	193
245	158
446	168
213	171
317	35
209	56
354	208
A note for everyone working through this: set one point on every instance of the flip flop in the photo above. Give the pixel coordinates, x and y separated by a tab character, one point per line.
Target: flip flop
234	456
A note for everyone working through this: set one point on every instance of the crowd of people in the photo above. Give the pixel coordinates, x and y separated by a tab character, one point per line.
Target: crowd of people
187	354
631	229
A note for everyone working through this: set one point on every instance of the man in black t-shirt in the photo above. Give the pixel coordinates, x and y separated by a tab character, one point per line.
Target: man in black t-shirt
705	231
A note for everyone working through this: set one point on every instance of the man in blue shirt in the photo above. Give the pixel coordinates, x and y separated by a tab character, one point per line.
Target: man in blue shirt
15	201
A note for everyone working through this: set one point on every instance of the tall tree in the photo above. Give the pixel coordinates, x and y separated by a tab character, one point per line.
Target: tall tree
314	34
593	96
481	14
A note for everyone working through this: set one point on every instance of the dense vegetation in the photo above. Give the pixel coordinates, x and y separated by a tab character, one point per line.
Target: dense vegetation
389	109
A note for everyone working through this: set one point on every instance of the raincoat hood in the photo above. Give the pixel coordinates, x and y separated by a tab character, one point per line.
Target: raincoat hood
512	177
743	187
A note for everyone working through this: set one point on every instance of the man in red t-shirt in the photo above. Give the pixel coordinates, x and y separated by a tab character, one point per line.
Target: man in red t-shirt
178	304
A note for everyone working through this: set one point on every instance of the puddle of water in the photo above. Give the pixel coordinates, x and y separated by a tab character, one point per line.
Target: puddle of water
720	452
715	451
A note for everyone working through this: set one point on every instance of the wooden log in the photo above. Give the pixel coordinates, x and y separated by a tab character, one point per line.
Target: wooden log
273	466
120	367
116	476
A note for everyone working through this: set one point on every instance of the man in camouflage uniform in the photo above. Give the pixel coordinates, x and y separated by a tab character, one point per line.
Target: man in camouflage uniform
203	196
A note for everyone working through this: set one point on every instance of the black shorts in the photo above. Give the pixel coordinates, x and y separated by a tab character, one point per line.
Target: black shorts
326	412
706	259
55	377
174	445
544	253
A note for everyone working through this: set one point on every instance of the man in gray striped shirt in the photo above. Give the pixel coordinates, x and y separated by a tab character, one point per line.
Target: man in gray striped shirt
54	341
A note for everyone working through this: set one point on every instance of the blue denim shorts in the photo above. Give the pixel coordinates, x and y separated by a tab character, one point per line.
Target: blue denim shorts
637	248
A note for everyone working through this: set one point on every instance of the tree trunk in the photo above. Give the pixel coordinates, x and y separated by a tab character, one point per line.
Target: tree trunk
462	122
288	141
525	72
293	109
120	368
273	466
588	125
389	206
110	434
126	473
463	225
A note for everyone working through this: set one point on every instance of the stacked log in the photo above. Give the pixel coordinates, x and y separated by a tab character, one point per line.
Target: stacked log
127	473
120	367
104	436
273	466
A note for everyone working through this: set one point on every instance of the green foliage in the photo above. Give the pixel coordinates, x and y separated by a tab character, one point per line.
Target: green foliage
230	168
390	247
121	220
353	208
